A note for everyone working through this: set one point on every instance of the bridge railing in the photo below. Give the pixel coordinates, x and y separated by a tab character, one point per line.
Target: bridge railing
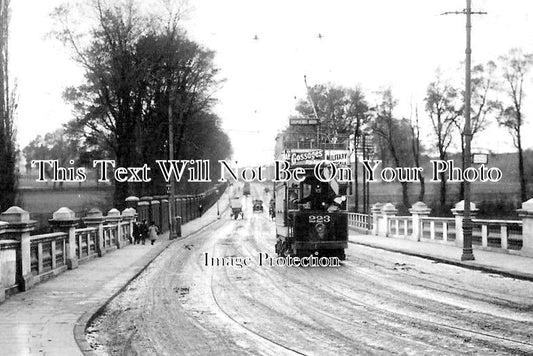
26	259
48	254
360	221
509	236
437	229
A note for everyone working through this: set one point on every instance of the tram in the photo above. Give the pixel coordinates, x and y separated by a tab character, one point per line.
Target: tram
310	214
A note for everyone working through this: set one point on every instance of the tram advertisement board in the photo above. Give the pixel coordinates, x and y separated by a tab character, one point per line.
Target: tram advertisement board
304	157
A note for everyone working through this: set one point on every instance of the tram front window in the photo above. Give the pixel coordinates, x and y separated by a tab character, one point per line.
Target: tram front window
316	195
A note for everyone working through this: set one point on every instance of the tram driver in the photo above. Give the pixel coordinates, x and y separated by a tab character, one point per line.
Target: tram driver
320	197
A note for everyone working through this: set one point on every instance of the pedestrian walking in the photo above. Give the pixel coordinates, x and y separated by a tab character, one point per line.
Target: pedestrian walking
137	233
143	231
200	209
153	231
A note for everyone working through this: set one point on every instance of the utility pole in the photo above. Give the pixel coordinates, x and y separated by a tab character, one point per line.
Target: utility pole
468	253
171	207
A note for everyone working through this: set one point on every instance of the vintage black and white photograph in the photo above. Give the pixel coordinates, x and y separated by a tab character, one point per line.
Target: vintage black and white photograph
246	177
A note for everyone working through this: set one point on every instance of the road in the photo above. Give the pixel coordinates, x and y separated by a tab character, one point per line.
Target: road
376	302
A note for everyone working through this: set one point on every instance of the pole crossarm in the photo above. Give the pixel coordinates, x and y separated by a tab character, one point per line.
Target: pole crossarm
464	12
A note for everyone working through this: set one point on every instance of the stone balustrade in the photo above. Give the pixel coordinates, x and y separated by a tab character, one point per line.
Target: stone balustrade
509	236
26	259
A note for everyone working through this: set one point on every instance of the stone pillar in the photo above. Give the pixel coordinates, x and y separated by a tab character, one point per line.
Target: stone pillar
19	229
3	227
178	226
179	207
143	211
418	210
128	216
165	215
459	212
64	220
132	201
149	216
526	213
375	211
96	219
155	207
387	211
113	217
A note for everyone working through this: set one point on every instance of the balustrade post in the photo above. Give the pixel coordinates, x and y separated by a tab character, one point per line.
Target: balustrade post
387	211
504	237
375	211
3	227
165	215
132	201
526	213
19	228
484	235
113	217
143	211
146	205
96	219
64	220
128	216
418	211
459	212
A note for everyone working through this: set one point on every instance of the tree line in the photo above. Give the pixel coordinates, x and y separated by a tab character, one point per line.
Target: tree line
141	71
497	96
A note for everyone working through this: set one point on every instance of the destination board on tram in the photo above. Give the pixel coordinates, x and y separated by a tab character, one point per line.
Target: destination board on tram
297	121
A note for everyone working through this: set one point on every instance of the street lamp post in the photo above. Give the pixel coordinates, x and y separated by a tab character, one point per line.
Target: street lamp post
171	206
468	254
218	210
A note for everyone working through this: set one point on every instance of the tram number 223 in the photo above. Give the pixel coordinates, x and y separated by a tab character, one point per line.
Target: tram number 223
319	218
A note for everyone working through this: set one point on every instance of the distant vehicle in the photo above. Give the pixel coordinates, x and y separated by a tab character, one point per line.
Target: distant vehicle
236	208
258	205
246	189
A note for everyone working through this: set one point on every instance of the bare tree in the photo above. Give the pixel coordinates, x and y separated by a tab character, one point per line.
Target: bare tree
359	114
442	105
515	67
139	66
393	133
483	85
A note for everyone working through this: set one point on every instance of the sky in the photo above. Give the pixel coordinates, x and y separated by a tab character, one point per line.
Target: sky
374	44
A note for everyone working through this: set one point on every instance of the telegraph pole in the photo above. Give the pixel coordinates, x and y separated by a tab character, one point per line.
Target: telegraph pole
468	253
171	207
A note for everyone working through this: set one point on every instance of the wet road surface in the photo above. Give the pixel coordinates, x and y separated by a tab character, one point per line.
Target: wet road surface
376	302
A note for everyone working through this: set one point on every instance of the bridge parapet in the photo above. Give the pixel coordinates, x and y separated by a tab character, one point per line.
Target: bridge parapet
508	236
27	259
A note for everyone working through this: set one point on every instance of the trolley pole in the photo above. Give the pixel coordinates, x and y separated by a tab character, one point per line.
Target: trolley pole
468	253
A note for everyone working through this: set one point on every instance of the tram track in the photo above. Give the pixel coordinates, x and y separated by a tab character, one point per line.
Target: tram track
309	306
407	316
242	325
426	321
362	307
